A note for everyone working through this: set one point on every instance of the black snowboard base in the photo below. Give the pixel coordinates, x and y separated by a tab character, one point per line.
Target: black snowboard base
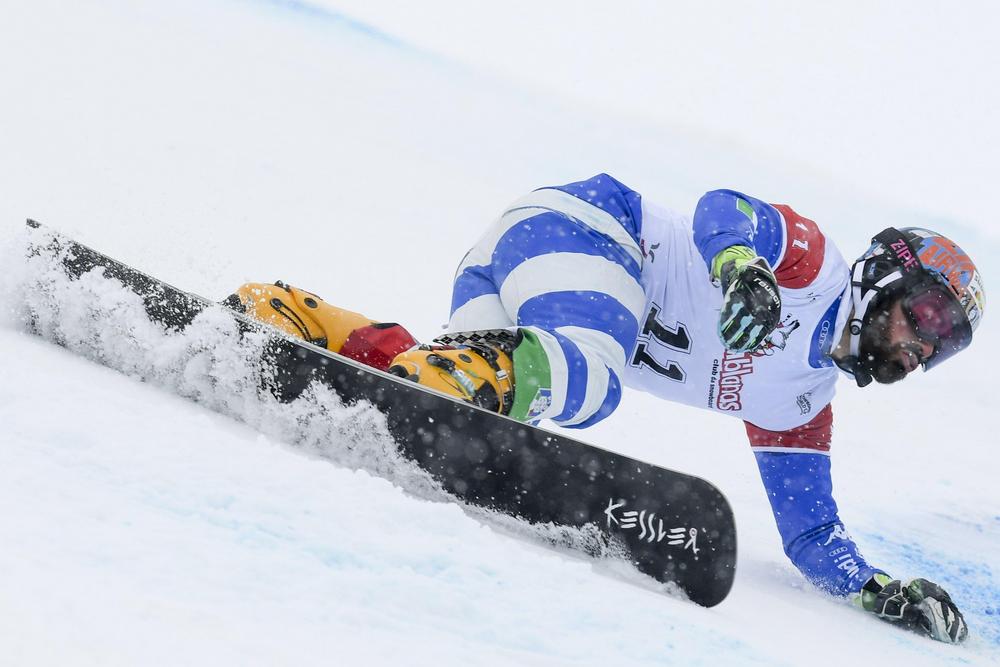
674	527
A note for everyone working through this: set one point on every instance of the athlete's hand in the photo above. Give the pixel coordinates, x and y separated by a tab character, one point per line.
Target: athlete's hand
751	305
918	605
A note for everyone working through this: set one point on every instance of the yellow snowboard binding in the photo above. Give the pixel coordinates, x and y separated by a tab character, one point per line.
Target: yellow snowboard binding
480	371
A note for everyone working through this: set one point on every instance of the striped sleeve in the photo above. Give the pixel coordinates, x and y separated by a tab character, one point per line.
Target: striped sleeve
724	218
793	245
565	264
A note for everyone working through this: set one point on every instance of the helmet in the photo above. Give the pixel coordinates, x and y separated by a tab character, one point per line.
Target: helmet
940	289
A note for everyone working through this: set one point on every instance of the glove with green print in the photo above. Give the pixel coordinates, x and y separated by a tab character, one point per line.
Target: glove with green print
751	303
918	605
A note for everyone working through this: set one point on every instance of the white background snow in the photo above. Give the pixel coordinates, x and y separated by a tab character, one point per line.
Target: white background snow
357	149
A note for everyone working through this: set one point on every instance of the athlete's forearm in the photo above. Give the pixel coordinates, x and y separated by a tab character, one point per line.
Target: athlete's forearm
724	218
800	490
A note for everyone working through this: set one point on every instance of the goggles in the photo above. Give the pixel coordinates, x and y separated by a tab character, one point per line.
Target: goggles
938	319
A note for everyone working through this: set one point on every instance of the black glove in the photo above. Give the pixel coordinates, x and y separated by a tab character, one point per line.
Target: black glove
918	605
751	305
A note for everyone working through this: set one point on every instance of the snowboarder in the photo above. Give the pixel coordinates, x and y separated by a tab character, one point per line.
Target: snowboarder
746	309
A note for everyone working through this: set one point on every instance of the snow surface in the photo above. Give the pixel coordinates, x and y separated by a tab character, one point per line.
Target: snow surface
215	142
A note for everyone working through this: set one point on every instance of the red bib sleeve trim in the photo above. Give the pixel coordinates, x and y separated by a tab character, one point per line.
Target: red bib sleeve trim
813	437
805	246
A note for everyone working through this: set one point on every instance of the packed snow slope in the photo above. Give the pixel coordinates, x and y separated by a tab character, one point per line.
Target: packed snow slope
210	143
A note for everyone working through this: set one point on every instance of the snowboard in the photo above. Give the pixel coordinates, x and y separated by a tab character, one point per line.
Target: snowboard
674	527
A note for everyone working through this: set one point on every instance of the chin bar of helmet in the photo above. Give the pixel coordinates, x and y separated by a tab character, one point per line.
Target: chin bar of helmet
906	269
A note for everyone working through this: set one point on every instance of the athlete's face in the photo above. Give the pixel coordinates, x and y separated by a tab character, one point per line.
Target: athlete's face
890	347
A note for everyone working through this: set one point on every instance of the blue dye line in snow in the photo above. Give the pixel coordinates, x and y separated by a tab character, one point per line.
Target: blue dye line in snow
319	13
322	13
974	586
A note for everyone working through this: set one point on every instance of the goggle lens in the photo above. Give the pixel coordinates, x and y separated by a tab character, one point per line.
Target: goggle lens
938	319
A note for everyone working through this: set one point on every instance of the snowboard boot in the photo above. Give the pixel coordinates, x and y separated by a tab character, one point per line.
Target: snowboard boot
476	367
304	315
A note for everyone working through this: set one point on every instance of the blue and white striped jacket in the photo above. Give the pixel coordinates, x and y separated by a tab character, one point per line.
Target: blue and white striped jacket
563	262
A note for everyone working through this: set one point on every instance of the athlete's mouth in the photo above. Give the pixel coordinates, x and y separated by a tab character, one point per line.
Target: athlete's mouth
910	359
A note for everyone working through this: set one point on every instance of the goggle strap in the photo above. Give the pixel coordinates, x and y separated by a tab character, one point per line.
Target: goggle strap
863	296
858	300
